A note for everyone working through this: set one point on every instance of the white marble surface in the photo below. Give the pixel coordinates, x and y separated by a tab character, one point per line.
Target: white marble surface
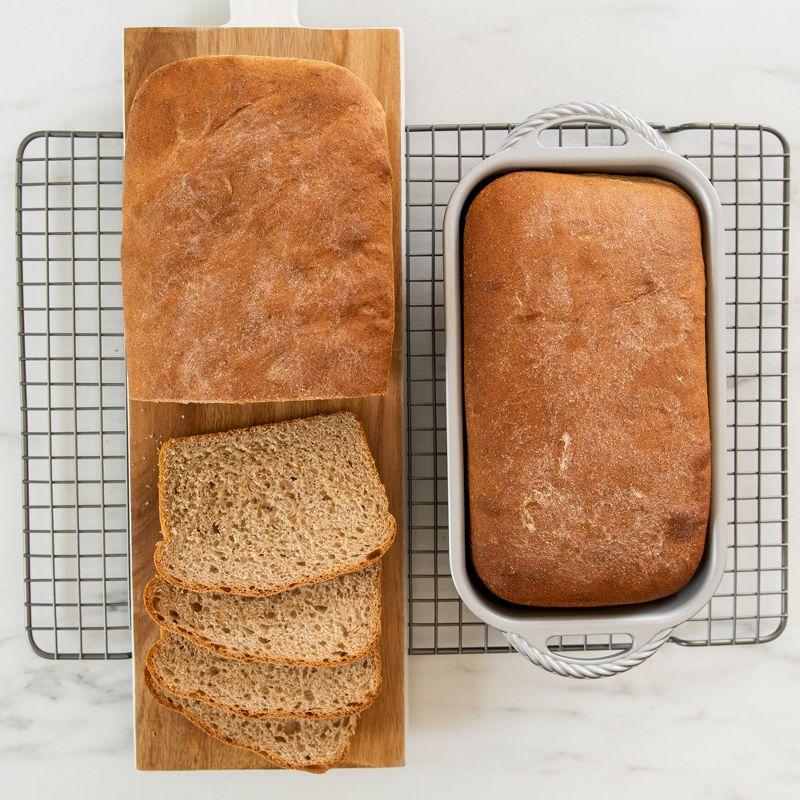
718	723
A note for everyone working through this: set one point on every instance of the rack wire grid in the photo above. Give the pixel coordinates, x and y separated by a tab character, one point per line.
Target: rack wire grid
73	395
749	167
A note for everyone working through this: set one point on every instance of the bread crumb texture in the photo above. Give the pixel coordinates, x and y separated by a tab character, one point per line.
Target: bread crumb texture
585	388
257	233
260	510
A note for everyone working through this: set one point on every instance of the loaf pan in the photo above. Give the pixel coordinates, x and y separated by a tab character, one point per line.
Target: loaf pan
648	625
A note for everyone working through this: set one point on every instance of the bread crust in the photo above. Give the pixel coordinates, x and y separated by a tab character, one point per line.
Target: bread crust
222	650
379	552
257	254
588	446
153	688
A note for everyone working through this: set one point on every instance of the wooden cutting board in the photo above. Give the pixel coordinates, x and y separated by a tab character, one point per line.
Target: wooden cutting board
165	740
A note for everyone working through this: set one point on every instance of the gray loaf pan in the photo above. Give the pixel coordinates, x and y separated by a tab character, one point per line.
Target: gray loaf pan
649	625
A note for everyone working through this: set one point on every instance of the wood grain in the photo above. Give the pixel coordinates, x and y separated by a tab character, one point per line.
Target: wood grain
165	740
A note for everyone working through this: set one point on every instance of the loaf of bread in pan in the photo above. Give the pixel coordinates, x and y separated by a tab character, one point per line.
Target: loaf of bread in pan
257	233
588	451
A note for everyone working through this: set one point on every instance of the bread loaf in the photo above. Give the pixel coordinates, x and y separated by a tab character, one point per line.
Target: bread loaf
588	453
256	233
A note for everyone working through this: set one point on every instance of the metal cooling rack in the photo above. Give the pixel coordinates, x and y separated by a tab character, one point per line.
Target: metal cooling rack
73	398
749	167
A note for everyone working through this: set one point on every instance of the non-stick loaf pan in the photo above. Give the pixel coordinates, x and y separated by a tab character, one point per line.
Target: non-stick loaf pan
649	625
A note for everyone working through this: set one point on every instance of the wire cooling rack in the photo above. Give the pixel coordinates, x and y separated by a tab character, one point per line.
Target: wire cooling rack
749	167
73	397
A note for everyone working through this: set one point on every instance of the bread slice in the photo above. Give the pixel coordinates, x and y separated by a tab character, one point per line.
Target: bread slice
324	624
263	690
260	510
313	745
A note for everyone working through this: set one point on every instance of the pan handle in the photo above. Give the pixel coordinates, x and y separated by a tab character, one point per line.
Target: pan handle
602	667
635	128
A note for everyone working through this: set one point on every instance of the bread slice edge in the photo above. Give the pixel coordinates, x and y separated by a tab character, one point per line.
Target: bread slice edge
203	698
158	695
237	655
268	591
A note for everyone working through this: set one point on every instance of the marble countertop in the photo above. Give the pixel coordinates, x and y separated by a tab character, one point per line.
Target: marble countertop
710	723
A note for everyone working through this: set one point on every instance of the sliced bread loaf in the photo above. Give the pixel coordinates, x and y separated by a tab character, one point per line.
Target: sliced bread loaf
324	624
260	510
263	690
313	745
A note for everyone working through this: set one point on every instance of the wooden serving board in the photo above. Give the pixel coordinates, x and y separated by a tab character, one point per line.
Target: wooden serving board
164	739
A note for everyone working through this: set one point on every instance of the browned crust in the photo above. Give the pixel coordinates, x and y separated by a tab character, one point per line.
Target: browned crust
585	388
154	690
239	712
236	655
190	174
277	588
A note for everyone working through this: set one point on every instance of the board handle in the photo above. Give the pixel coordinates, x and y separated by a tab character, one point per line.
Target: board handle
262	14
